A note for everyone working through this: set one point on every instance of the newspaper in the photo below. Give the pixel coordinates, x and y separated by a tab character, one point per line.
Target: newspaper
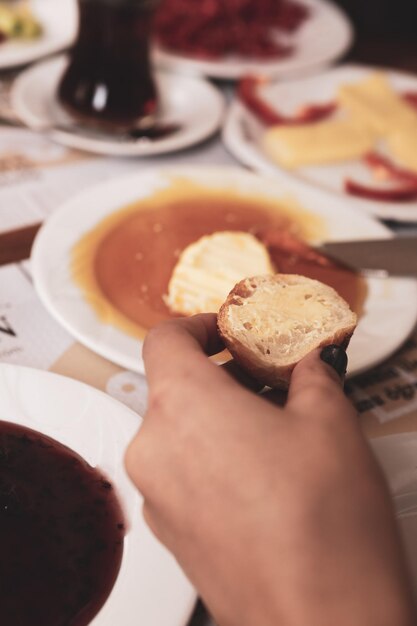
386	396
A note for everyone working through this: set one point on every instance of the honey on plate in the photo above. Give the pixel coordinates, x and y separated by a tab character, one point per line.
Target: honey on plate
123	265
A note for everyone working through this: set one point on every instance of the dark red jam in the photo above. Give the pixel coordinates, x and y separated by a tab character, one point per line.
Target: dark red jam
61	532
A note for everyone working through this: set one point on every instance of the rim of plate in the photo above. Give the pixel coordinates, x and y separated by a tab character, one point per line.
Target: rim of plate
232	69
253	157
60	31
145	560
46	75
123	349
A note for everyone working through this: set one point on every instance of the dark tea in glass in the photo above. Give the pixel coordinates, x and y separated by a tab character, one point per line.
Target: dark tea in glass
109	81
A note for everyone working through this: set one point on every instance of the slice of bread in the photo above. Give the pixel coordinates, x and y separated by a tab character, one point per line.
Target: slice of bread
269	323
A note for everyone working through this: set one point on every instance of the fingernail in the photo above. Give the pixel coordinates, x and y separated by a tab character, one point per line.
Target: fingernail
335	356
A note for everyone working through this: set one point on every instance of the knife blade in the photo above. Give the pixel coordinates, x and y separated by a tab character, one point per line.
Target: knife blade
395	256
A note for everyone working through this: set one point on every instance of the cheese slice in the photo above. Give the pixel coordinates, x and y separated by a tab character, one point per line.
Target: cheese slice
209	268
318	143
403	146
375	103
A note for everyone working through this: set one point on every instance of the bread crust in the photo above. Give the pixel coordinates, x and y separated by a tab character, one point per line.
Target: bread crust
262	368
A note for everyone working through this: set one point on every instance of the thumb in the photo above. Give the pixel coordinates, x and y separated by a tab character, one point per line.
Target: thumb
316	386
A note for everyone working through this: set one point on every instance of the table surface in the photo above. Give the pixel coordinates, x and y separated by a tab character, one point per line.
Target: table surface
397	54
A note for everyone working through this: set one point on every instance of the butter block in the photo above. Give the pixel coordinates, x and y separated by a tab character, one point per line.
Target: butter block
403	147
376	104
208	269
318	143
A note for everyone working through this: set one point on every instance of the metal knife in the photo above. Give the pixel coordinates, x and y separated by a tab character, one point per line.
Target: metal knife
395	256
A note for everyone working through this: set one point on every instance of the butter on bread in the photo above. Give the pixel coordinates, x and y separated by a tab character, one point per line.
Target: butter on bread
269	323
317	143
208	268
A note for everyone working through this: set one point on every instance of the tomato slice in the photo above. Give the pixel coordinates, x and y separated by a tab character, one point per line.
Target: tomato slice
405	193
247	92
386	170
411	98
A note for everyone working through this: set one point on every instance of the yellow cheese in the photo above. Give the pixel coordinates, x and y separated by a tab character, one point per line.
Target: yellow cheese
209	268
318	143
375	103
403	146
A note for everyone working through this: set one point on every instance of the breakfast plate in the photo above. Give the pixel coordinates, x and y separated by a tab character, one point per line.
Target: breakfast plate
193	104
59	24
242	135
150	587
324	36
64	259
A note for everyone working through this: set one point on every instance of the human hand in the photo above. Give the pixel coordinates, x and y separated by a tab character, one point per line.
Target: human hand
277	515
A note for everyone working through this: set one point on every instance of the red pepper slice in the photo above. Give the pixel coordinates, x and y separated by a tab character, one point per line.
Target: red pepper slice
315	112
247	92
411	98
386	170
398	194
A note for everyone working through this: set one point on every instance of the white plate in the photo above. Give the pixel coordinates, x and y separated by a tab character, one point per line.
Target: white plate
324	37
375	338
241	133
150	588
191	102
59	23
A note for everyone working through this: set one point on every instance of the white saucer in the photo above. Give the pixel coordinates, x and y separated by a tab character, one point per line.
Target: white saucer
241	135
192	103
325	36
59	23
388	298
150	588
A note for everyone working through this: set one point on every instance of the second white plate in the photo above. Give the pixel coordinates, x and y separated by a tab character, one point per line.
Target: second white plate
325	35
388	298
150	587
241	135
192	103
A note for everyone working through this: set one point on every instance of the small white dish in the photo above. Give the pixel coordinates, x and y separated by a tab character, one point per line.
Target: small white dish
388	298
325	36
150	588
241	135
193	103
59	24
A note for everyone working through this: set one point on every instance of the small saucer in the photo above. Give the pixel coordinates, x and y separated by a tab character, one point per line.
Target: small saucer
191	103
